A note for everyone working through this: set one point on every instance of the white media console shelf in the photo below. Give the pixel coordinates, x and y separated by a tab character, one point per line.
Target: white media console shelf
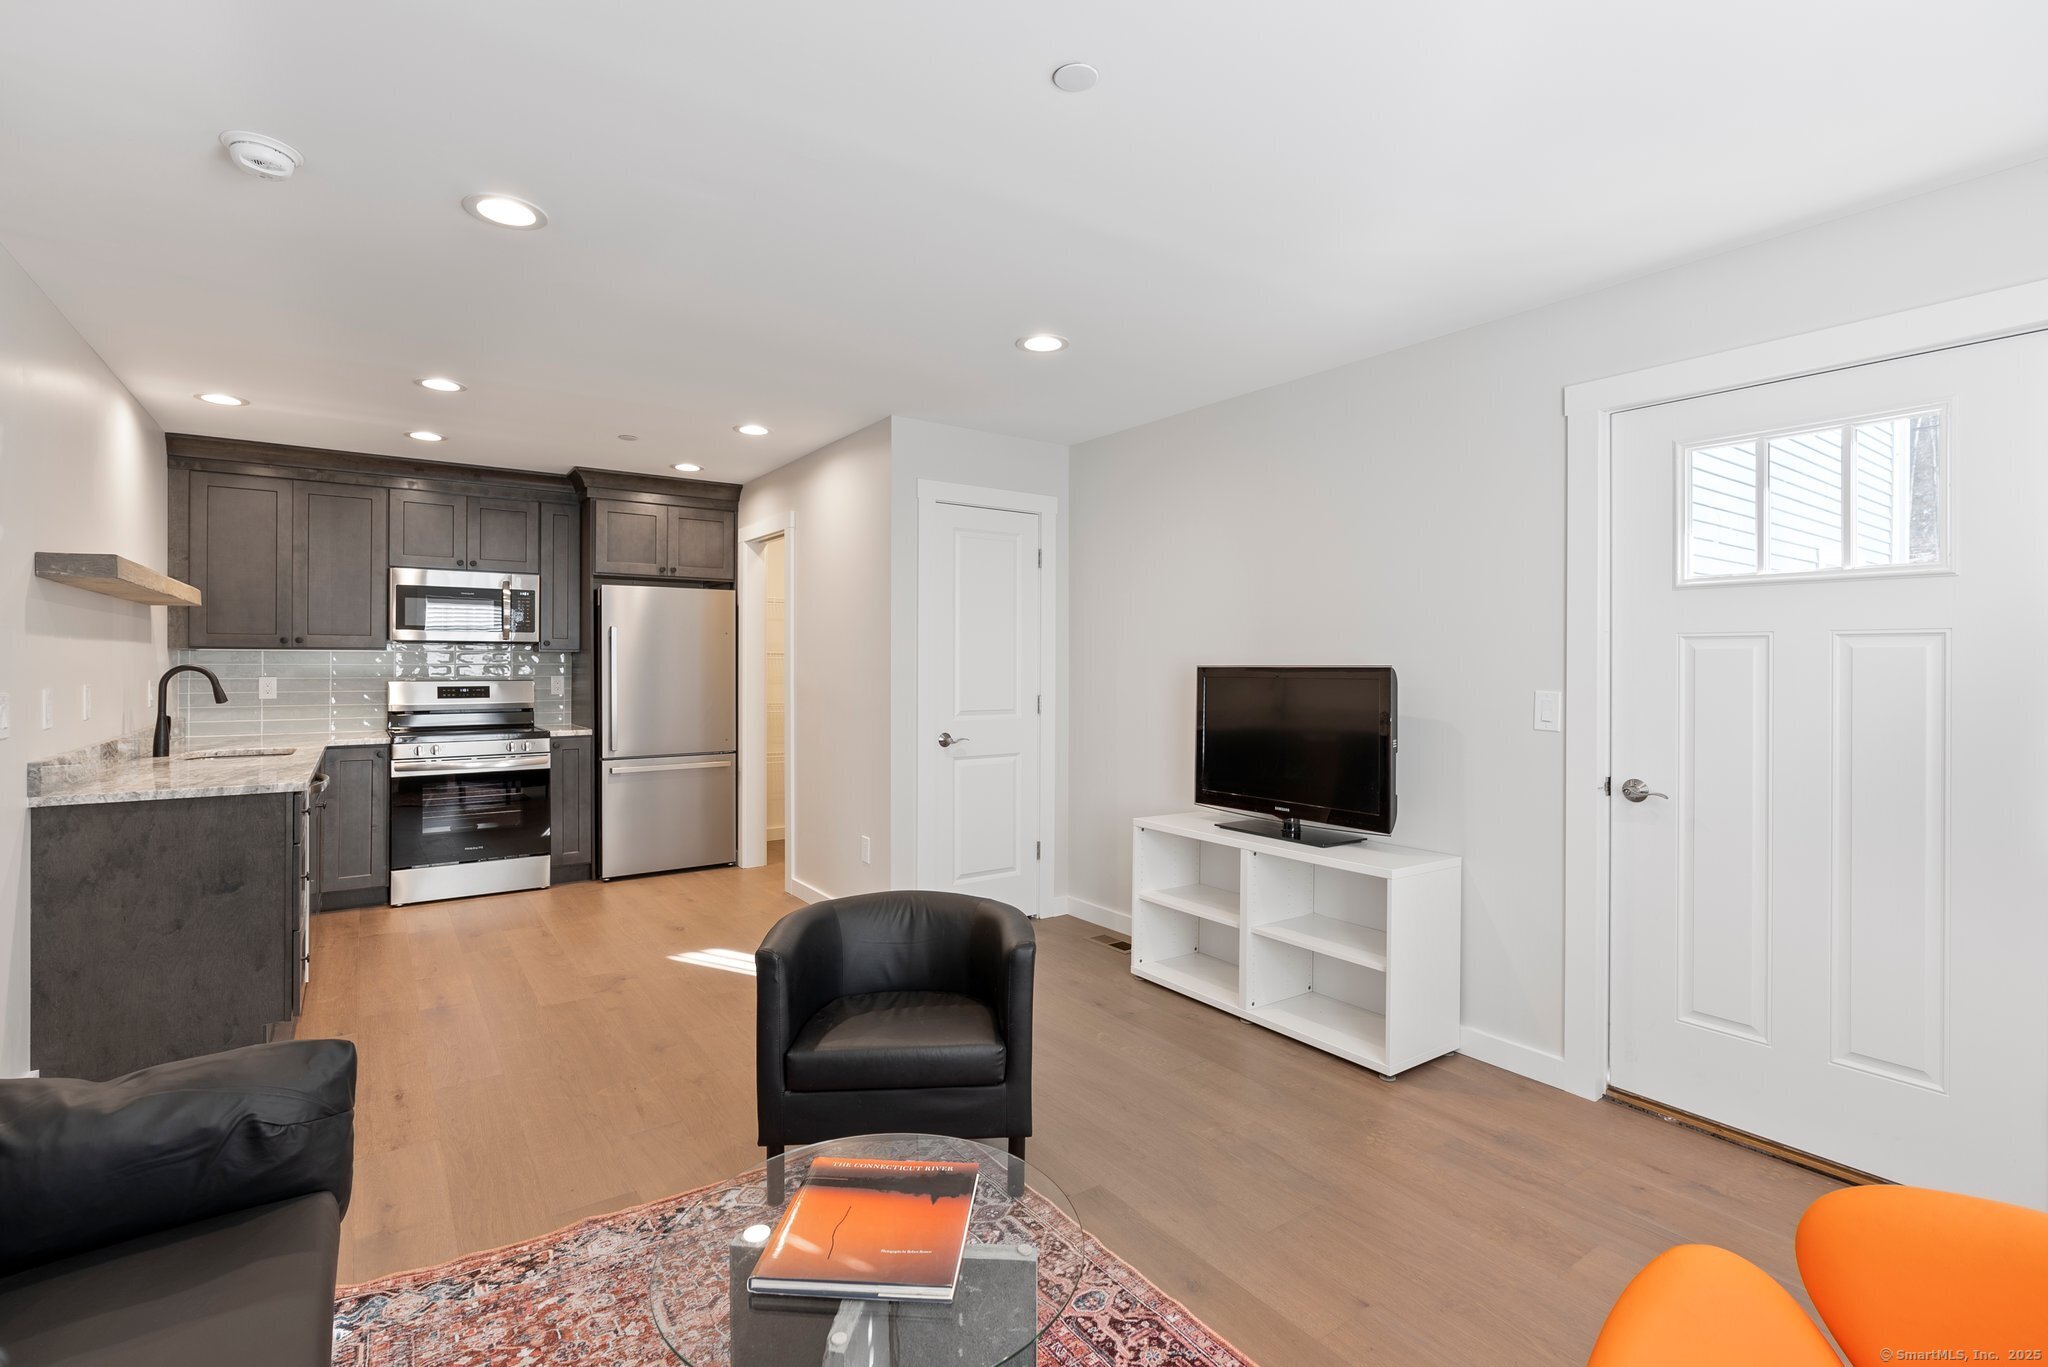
1353	949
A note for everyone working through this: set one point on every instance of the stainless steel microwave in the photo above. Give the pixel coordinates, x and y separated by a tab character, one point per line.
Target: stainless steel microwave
464	605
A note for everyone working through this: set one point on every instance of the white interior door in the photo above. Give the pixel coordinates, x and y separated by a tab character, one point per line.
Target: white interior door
1830	612
978	702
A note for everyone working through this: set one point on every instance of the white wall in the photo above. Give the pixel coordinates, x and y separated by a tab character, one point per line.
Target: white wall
957	455
839	572
1409	509
81	469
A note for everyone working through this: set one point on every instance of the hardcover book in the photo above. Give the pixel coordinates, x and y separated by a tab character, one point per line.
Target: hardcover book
871	1229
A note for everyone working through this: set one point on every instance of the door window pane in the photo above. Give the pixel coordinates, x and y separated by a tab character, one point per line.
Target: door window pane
1862	494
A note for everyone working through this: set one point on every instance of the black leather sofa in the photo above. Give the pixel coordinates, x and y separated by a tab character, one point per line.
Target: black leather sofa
186	1214
894	1011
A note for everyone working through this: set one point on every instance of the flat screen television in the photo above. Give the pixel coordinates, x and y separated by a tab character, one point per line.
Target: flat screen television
1298	744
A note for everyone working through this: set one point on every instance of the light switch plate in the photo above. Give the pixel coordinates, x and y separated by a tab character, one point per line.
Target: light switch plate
49	715
266	687
1549	711
867	853
6	717
555	683
85	702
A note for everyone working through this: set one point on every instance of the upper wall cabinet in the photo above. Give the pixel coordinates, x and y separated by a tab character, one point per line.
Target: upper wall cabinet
457	531
700	544
282	562
241	561
561	577
338	561
660	541
429	531
628	538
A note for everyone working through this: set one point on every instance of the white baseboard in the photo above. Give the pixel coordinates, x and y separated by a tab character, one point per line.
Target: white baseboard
1539	1065
797	887
1111	918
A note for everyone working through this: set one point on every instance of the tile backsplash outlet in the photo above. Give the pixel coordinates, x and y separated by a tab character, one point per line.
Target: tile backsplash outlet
312	693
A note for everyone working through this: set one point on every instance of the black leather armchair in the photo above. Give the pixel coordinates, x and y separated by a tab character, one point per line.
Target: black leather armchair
894	1011
186	1214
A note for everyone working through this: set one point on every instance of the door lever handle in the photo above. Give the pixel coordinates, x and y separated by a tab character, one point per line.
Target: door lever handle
947	738
1635	790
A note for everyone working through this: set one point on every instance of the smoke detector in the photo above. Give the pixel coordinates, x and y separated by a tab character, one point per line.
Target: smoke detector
260	155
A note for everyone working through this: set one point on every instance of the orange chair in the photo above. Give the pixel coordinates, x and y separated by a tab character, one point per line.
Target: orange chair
1701	1306
1903	1270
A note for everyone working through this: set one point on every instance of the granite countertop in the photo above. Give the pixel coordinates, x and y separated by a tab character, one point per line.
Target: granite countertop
569	731
124	776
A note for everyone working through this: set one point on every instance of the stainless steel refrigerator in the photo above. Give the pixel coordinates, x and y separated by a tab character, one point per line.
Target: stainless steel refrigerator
668	727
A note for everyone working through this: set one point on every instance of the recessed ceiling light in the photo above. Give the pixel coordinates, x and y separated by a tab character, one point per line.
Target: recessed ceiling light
688	468
441	384
424	435
751	429
629	436
507	211
1043	342
224	400
1075	77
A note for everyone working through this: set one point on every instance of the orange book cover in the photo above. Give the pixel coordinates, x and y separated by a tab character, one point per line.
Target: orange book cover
877	1228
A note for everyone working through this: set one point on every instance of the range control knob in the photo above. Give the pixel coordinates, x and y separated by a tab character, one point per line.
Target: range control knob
511	747
433	749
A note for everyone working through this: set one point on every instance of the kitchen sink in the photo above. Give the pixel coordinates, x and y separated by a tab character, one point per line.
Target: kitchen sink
239	752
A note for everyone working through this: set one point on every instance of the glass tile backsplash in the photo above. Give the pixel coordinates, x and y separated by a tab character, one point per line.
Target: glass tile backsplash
341	692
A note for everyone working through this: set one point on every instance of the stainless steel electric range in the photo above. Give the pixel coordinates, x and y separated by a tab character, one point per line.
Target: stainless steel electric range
470	808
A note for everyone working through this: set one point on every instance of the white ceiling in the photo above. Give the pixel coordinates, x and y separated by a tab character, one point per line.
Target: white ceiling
812	213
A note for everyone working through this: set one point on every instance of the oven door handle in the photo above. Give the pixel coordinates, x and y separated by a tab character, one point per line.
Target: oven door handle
453	768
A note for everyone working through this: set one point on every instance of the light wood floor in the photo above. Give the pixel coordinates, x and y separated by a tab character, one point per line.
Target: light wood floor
531	1059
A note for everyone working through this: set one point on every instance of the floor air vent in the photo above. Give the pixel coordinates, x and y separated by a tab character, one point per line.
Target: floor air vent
1113	941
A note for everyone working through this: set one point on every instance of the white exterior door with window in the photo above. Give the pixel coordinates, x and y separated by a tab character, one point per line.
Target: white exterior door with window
1830	640
979	637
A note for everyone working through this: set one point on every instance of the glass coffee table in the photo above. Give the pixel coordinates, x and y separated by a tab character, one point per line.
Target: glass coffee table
1025	1256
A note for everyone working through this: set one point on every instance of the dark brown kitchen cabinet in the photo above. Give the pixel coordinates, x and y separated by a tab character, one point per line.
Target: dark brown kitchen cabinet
241	560
629	538
660	540
429	531
700	544
504	535
561	577
338	562
280	562
164	929
572	793
353	819
463	531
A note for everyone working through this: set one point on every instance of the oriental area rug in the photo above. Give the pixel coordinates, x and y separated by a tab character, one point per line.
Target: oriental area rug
646	1287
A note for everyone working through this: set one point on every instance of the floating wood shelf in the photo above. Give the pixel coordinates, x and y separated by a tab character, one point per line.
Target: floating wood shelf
115	577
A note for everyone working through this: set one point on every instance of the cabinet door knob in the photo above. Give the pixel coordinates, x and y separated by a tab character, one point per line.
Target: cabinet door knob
298	640
282	641
472	564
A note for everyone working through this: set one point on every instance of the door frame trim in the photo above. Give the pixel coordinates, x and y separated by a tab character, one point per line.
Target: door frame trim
1589	407
1050	665
751	582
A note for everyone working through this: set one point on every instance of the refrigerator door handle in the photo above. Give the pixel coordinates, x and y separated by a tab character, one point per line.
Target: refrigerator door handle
627	767
611	638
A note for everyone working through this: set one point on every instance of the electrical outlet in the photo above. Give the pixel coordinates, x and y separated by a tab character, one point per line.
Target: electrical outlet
556	684
6	717
85	702
1549	711
266	687
49	714
867	853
